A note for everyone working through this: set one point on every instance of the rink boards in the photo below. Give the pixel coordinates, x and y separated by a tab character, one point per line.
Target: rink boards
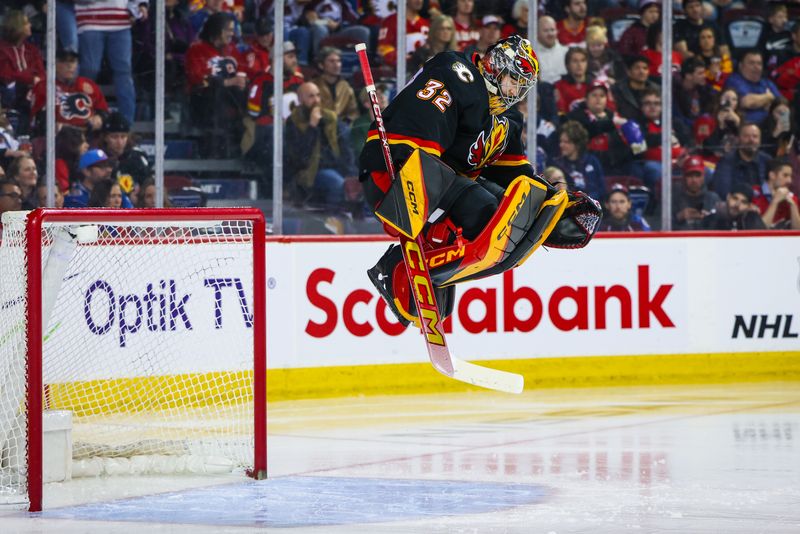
627	309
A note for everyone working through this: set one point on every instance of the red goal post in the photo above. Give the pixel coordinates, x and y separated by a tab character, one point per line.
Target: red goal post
206	225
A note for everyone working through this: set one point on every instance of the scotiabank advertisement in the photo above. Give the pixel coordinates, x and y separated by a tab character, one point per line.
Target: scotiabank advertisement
618	296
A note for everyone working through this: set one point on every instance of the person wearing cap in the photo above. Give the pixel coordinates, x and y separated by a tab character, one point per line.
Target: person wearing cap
572	28
256	53
96	167
417	28
131	167
551	53
693	202
602	124
775	200
337	94
736	212
488	34
80	101
634	39
618	215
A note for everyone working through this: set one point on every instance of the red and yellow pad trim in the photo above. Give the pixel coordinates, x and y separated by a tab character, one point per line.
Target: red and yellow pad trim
430	147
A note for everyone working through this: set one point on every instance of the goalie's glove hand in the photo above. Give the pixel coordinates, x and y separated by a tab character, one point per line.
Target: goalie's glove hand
578	224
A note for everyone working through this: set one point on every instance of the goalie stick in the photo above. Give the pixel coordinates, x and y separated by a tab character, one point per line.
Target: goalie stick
430	320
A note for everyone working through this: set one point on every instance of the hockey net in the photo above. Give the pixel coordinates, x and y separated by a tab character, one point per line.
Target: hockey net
148	327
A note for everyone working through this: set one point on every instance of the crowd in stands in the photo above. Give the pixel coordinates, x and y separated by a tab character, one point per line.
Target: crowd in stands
735	148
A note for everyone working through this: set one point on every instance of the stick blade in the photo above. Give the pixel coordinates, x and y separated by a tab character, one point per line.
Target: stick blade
486	377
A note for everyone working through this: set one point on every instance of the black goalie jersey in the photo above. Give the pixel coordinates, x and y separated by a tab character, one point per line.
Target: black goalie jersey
444	110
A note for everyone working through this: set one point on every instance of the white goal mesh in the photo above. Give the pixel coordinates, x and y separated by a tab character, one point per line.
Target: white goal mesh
148	340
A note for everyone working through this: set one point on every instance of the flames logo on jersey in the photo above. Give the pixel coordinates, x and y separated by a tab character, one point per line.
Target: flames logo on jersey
222	66
75	106
487	148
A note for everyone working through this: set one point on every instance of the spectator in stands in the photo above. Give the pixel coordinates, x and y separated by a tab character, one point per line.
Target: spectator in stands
104	30
488	34
736	212
441	38
756	93
746	163
556	177
775	200
628	93
691	95
79	100
618	216
147	195
317	150
256	53
10	198
581	168
70	146
601	124
131	167
777	135
106	194
257	139
66	25
719	65
21	66
96	168
178	36
634	39
337	20
652	51
648	167
9	144
572	28
776	37
216	84
417	28
687	30
463	12
725	133
571	88
360	127
519	20
199	17
41	196
604	62
787	73
551	54
24	172
337	95
692	202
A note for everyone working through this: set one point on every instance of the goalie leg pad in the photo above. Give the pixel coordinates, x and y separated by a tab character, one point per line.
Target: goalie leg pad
391	280
524	214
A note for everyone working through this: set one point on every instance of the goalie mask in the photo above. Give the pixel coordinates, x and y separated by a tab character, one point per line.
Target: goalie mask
510	69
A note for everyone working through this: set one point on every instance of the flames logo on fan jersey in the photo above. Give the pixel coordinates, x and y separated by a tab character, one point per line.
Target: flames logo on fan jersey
487	148
74	106
222	66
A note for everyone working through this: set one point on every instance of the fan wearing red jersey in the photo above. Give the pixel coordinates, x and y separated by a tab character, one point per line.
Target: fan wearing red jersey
464	183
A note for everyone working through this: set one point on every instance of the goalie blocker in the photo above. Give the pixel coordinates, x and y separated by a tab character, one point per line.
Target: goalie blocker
501	229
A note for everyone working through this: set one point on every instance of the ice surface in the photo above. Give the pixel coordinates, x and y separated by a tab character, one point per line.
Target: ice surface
657	459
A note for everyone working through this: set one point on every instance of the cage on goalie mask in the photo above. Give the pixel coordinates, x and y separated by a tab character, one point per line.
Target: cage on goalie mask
514	59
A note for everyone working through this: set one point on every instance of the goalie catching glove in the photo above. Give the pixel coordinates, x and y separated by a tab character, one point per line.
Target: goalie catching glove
578	224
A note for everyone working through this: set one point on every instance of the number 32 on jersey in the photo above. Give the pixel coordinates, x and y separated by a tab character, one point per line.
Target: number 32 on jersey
434	89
